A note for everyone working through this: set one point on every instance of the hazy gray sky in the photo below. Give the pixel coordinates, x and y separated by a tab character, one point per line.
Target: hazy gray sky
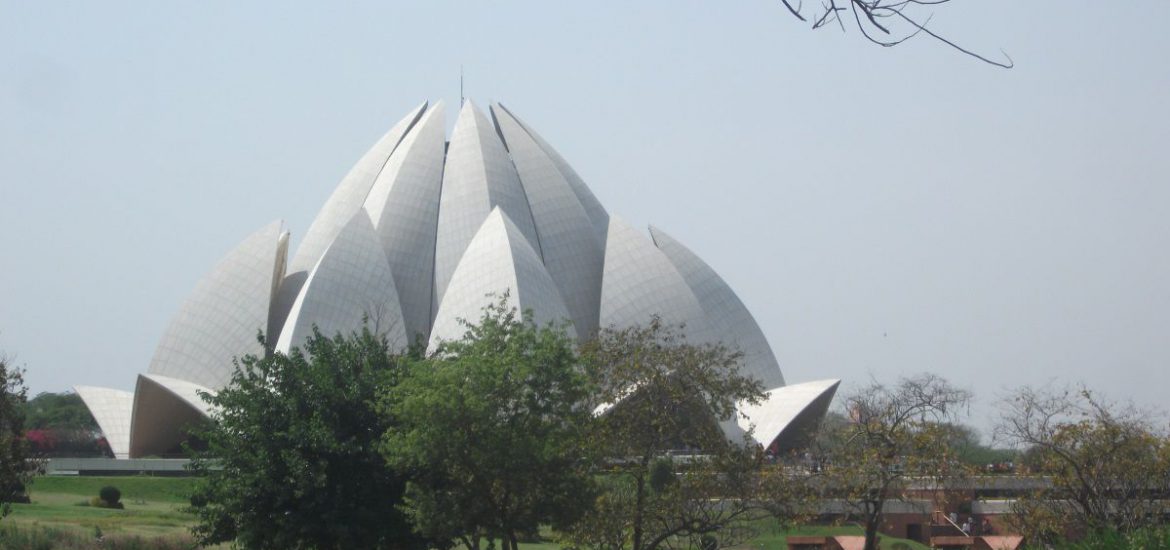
880	211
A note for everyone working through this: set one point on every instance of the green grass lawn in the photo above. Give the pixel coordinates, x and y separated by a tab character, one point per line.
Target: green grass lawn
134	488
772	537
153	506
154	510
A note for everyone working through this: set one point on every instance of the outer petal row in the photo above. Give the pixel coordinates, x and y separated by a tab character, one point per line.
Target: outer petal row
113	410
788	416
730	321
220	319
164	409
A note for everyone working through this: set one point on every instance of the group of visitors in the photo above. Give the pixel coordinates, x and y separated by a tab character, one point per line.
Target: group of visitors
970	528
1005	467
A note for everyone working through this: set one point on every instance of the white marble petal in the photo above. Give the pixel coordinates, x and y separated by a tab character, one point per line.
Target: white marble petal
404	206
499	260
640	282
112	409
221	317
350	194
728	318
572	252
789	415
281	285
349	286
589	202
478	176
165	409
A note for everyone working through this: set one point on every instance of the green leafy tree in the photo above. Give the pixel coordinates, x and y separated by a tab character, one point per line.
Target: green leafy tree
15	467
657	393
699	501
59	411
492	431
970	449
896	440
291	459
1108	465
60	425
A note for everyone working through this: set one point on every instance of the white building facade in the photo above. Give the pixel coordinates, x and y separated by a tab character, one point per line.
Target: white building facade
421	233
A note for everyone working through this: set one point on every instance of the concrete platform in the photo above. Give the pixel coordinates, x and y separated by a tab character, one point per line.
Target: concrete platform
117	467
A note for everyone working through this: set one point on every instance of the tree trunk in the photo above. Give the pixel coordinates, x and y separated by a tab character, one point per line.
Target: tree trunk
872	521
639	506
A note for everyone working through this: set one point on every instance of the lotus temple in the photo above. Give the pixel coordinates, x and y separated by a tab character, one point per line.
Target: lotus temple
423	231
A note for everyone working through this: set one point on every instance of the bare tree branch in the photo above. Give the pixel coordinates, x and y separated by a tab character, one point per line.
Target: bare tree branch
868	15
794	10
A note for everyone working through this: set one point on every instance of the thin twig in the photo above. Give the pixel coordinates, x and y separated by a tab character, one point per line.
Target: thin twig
868	14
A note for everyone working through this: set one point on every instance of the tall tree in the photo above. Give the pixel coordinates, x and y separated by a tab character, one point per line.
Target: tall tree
59	411
657	393
60	425
292	458
895	436
492	431
15	468
1109	466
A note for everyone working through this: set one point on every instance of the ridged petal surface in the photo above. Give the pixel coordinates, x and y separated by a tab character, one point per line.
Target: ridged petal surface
349	195
352	281
221	317
404	206
498	260
589	202
571	249
113	410
640	281
478	176
729	319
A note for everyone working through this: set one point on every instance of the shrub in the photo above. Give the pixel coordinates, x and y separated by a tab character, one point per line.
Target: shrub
662	474
111	495
108	497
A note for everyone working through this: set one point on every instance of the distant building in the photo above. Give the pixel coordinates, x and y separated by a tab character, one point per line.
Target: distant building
415	237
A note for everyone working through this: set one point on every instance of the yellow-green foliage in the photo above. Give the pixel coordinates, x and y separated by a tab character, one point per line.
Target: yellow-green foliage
1109	465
